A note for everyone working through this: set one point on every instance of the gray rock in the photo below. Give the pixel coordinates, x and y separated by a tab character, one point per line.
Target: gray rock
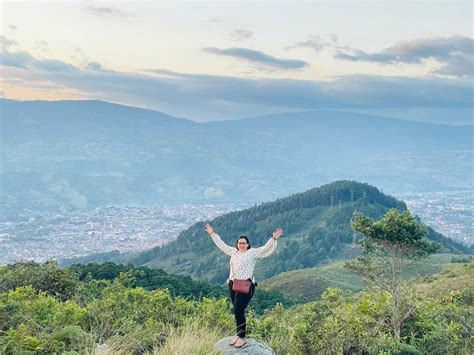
101	349
252	347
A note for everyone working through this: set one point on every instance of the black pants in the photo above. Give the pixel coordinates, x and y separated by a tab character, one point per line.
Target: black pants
240	301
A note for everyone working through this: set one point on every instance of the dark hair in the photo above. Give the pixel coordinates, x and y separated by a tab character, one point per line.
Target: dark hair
242	237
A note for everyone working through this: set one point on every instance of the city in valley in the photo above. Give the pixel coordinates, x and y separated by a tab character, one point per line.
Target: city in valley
45	236
448	212
41	237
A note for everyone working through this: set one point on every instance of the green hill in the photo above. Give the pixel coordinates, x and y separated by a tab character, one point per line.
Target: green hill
455	277
317	232
307	285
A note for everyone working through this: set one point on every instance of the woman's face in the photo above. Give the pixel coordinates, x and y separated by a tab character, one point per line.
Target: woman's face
242	244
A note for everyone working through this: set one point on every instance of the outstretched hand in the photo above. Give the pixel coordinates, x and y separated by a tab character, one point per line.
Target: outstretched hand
209	229
277	233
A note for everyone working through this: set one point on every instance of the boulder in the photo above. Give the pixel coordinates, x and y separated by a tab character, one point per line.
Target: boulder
252	347
101	349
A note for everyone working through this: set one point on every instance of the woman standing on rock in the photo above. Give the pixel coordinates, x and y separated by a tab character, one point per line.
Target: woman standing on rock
241	282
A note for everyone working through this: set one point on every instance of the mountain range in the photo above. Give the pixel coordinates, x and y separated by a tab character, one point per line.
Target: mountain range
64	155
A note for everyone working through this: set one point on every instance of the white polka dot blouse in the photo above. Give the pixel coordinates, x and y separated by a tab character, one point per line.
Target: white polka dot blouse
243	264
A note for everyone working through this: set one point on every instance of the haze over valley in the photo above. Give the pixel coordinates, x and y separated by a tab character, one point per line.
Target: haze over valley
84	177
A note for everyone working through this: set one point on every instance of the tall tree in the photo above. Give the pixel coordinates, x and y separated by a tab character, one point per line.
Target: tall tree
391	245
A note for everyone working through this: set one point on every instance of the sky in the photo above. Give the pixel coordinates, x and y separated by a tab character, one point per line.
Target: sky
233	59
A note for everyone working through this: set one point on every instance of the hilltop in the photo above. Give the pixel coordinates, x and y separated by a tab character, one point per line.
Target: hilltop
317	232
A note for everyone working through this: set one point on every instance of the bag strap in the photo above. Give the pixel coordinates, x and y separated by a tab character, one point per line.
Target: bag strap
231	267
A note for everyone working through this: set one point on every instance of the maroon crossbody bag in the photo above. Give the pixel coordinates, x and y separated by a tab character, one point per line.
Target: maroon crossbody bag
240	286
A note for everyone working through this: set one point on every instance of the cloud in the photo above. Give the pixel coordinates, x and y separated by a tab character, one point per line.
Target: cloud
240	34
455	53
94	66
258	57
25	60
42	46
107	11
204	97
79	56
318	43
16	59
458	66
416	50
41	43
54	65
6	42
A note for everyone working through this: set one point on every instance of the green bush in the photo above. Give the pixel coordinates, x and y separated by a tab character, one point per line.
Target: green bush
134	320
45	277
34	321
442	326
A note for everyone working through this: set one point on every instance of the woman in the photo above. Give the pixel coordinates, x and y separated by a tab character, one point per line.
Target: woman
242	264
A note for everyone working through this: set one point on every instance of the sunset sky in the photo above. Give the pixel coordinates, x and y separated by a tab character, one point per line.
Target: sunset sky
226	60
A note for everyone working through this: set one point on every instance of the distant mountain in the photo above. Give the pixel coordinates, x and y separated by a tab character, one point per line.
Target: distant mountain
317	232
81	154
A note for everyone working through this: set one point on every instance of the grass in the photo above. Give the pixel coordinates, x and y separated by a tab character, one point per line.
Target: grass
306	285
456	277
190	339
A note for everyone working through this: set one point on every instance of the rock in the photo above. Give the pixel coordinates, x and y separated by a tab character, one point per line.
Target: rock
252	347
101	349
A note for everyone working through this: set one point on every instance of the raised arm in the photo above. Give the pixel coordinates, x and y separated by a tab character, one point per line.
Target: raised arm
218	241
270	246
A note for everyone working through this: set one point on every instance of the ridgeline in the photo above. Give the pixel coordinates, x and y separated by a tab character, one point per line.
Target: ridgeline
316	225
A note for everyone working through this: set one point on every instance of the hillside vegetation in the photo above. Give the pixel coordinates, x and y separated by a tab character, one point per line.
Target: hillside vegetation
316	225
59	314
458	278
309	284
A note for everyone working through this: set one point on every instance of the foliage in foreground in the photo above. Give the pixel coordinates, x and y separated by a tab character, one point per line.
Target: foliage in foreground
85	282
132	319
136	321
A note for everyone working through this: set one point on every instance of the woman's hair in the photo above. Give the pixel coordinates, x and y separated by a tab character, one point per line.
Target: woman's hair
242	237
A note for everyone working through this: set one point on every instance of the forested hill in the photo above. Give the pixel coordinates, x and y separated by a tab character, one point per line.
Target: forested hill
316	225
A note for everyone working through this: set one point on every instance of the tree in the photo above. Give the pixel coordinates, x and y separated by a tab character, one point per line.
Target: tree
47	277
391	245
